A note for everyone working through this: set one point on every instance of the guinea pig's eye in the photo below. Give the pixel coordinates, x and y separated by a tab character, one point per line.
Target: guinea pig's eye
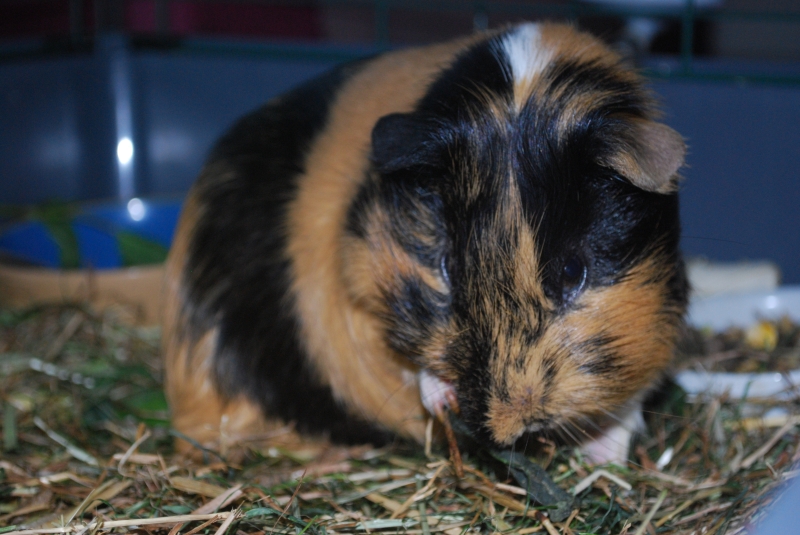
573	277
443	269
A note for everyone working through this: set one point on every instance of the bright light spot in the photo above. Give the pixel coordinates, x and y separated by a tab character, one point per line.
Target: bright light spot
136	209
125	150
771	302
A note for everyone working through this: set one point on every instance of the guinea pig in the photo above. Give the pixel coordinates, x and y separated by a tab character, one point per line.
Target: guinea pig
488	225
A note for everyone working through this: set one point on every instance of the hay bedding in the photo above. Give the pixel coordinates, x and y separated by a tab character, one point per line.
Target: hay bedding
87	450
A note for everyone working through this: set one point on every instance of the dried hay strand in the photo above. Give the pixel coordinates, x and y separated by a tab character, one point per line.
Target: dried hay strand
87	450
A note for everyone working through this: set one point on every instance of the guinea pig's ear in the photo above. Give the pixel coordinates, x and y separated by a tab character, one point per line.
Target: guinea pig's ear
650	156
403	140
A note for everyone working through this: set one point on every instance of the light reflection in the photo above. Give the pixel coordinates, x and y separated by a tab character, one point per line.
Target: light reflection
125	151
136	209
771	302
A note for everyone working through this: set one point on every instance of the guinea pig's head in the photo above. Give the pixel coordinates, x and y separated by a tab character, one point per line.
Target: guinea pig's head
518	237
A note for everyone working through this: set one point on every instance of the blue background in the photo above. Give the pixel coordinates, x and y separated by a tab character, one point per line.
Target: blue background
60	123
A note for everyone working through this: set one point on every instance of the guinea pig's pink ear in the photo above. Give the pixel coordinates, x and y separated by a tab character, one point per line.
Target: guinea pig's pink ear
650	156
402	140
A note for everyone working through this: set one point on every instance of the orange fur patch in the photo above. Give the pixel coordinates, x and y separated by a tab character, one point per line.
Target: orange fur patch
344	341
631	313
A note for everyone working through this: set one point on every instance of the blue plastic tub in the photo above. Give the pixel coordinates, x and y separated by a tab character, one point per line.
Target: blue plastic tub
104	233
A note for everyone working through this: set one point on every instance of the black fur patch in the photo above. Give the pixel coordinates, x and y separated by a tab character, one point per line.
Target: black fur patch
238	276
417	211
598	357
549	371
578	206
414	314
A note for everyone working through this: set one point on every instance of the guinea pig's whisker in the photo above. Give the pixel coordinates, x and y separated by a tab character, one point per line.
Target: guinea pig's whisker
388	399
594	428
565	430
460	332
527	441
508	466
666	415
614	416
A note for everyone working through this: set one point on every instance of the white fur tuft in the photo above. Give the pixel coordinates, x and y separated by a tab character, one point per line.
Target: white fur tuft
526	55
437	395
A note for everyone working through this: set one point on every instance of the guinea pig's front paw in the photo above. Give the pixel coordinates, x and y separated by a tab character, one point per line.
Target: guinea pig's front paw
610	447
613	444
437	394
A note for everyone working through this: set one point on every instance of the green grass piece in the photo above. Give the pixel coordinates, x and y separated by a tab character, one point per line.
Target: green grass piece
310	523
177	509
135	507
58	217
147	401
139	251
10	440
261	511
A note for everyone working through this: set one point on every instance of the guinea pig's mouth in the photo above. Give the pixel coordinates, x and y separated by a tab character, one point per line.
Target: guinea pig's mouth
436	393
534	427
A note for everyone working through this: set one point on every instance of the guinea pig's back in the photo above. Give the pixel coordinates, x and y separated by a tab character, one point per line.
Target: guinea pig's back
256	319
